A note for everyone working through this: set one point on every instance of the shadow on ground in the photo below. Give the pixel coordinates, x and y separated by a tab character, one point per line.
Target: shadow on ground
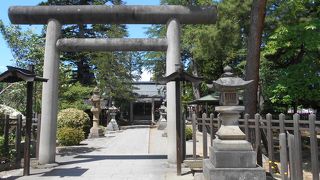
75	150
59	172
63	172
91	158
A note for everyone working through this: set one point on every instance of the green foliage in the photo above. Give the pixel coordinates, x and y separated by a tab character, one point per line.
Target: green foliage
85	63
208	47
2	150
280	98
113	71
70	136
188	133
290	69
14	96
281	95
26	46
116	72
224	43
73	96
74	118
7	156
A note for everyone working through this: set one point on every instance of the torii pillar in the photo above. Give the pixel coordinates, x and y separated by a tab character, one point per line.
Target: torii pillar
49	105
173	58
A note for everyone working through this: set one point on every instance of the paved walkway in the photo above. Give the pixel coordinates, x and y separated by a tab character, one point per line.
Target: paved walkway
127	155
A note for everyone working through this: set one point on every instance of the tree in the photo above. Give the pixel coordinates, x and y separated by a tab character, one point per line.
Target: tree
292	52
27	49
82	61
206	49
113	71
26	46
253	55
73	97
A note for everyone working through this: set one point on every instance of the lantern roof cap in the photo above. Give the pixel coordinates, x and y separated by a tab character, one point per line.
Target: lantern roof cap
228	82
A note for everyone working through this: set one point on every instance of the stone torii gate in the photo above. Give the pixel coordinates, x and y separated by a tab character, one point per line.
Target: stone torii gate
56	16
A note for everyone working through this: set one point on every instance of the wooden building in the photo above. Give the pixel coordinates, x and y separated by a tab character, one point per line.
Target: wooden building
149	96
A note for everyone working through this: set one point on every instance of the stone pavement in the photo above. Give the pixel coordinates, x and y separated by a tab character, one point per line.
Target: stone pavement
127	155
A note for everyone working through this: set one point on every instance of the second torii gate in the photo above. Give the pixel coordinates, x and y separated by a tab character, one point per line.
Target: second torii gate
56	16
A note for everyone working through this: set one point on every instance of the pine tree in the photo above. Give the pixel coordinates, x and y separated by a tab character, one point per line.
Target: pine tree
82	61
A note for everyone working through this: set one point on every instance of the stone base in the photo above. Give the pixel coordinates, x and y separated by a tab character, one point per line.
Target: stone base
45	166
95	132
233	159
232	154
112	126
162	124
212	173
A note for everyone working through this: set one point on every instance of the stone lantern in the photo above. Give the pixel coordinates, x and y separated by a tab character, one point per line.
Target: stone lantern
163	112
113	126
162	123
229	109
231	156
95	131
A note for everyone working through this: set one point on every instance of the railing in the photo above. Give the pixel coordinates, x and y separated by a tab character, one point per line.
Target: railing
287	132
17	125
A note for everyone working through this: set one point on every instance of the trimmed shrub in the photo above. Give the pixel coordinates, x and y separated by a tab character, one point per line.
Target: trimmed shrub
74	118
188	133
70	136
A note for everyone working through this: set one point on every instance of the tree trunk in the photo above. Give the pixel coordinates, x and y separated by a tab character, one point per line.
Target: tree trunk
295	107
253	55
195	86
253	60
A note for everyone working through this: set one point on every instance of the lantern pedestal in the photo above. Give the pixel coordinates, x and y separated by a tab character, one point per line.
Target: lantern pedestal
112	126
95	130
162	123
229	129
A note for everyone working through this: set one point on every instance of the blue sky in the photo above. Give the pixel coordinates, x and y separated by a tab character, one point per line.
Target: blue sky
135	31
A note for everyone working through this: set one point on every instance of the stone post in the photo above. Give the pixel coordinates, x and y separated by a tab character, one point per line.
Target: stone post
173	58
152	112
47	146
95	131
131	111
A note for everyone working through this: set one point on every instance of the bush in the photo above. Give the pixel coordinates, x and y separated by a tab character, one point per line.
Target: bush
70	136
74	118
188	133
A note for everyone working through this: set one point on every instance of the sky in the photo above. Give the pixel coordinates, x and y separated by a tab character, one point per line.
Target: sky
6	59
